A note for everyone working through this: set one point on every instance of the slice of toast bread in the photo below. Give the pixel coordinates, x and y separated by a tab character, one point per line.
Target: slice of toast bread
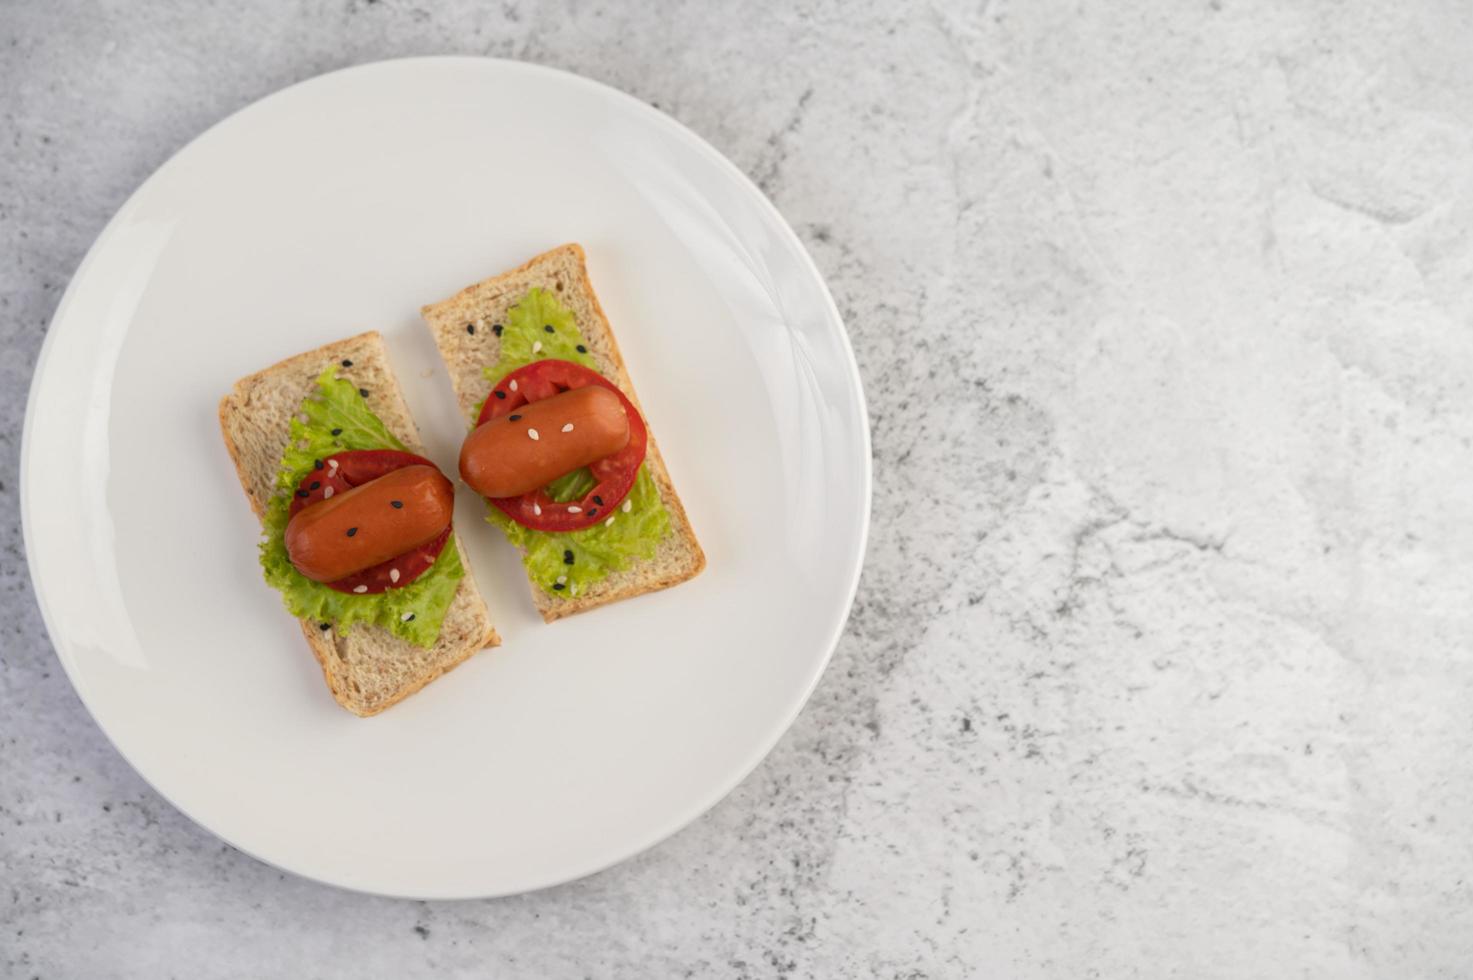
367	668
564	273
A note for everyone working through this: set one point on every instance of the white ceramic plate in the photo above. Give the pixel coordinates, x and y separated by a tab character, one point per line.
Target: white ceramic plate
343	204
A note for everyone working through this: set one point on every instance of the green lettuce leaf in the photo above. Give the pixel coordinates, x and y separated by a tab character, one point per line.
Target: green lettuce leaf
604	548
526	325
571	486
596	551
338	419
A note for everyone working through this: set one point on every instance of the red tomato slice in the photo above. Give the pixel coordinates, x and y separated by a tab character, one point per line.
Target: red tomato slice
614	474
343	471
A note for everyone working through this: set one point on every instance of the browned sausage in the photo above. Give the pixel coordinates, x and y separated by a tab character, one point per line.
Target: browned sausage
542	441
371	523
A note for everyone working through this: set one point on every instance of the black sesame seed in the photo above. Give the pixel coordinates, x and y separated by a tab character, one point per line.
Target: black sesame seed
324	626
337	432
547	327
317	463
500	394
347	363
397	504
568	557
470	328
496	329
363	392
301	493
352	531
559	586
598	500
315	485
513	418
582	349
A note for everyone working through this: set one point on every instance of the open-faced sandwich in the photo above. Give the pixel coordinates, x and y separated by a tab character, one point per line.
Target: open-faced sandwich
560	445
356	523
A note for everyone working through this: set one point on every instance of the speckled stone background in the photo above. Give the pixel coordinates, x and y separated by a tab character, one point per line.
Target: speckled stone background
1162	664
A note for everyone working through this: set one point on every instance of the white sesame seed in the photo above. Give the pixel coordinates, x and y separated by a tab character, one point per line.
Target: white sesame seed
628	506
360	589
574	509
537	347
568	427
393	575
562	580
513	385
406	617
537	509
532	434
608	522
327	493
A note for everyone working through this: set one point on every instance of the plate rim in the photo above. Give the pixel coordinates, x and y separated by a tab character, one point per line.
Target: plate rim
665	829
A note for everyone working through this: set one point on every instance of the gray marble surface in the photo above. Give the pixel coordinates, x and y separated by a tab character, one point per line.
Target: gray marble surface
1162	663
